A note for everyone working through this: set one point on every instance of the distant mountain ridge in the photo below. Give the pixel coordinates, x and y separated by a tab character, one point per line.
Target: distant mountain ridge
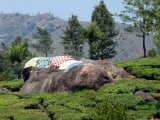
12	25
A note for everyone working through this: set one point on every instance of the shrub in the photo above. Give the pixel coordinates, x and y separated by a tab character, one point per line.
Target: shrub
111	109
148	68
13	85
22	115
152	52
114	101
129	29
4	76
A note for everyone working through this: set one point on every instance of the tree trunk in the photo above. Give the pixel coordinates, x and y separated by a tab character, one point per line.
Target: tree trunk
144	46
102	56
90	52
91	49
144	38
46	55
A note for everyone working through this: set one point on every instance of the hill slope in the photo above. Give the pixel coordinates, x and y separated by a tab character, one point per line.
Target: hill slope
115	101
11	25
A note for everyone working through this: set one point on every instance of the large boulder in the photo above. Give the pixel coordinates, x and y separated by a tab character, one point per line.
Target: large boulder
79	77
115	71
92	75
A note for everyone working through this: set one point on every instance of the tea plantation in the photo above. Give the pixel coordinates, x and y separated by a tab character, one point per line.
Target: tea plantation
114	101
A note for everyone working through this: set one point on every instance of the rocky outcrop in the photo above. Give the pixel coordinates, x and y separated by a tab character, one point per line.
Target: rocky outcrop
86	75
115	71
79	77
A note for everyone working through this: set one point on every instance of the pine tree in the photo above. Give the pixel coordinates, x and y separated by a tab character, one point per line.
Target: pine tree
105	46
73	39
44	43
92	34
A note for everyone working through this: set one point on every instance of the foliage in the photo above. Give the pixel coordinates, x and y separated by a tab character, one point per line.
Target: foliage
5	76
156	27
152	52
85	104
148	68
73	39
116	99
93	34
129	87
157	41
44	43
140	13
18	50
111	110
104	47
15	54
112	101
129	29
13	85
5	63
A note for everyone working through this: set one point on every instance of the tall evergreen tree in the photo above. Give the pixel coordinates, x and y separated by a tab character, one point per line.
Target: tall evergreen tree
73	39
140	13
92	34
44	44
105	46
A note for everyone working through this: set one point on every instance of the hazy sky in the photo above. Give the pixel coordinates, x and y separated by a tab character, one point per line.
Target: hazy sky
60	8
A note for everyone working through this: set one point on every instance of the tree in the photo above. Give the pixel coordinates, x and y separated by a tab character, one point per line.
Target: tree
140	13
18	50
73	39
92	34
129	29
156	28
44	43
105	46
17	53
5	63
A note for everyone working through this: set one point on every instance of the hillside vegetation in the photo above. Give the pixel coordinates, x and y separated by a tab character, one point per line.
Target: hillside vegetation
148	68
114	101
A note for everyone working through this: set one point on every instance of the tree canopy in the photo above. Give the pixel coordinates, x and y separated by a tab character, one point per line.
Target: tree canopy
17	53
92	34
73	39
141	14
156	28
44	42
104	47
18	50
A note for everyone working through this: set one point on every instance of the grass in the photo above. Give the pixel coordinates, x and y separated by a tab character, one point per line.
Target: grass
112	101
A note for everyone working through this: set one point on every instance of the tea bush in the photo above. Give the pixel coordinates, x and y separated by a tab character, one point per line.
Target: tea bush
115	101
148	68
13	85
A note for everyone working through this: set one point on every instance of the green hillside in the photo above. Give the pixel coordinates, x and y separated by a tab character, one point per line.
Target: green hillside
114	101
